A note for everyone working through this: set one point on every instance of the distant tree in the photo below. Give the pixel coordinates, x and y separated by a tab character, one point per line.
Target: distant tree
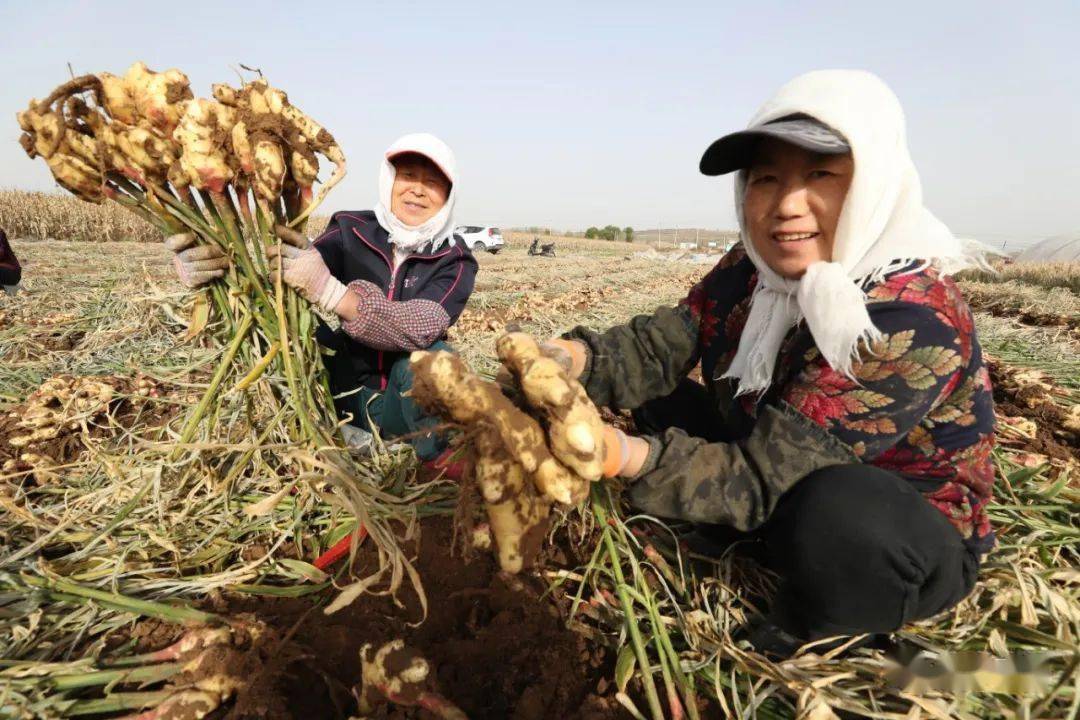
592	233
610	233
628	234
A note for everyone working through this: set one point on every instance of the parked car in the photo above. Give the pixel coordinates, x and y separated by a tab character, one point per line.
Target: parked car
481	238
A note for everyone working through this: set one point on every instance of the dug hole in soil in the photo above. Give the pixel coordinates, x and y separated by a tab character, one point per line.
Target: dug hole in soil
498	647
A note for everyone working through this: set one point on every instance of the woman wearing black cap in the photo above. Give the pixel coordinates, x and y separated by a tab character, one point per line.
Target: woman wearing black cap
845	421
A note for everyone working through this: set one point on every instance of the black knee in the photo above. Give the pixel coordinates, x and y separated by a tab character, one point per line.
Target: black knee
860	550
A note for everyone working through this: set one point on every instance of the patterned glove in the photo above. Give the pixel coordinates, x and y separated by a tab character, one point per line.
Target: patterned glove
196	265
304	269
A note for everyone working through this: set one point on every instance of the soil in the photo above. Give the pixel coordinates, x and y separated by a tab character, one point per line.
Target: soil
498	646
1034	401
528	307
61	341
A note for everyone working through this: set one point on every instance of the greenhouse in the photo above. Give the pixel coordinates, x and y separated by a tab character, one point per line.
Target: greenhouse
1060	248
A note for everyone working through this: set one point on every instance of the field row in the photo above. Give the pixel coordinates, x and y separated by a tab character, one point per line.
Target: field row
1045	275
97	341
545	296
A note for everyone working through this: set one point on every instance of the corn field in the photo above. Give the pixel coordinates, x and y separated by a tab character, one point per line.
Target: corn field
55	216
42	216
1045	275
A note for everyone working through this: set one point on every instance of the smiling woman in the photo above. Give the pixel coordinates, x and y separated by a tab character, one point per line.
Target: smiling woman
793	202
417	192
395	276
420	188
845	422
798	171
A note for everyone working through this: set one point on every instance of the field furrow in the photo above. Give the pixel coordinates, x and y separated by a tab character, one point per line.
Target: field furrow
95	368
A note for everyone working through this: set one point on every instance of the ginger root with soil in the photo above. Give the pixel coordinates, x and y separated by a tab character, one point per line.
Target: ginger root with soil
575	430
57	421
194	165
522	463
398	674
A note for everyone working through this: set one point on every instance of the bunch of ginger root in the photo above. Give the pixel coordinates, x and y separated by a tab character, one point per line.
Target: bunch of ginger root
524	458
144	139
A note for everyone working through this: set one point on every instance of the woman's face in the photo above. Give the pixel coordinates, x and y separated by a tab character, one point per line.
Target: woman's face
420	189
792	203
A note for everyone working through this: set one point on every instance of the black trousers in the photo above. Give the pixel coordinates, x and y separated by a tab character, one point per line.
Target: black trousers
858	549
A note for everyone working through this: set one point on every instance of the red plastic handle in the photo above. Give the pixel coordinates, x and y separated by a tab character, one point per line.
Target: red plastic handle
340	549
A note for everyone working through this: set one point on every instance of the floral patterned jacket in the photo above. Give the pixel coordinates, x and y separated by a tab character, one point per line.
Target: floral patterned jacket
919	404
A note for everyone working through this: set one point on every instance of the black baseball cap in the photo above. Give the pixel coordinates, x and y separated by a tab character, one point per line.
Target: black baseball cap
735	151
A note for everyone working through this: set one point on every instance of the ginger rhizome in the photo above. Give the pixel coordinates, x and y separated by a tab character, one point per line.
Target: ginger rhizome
398	674
575	430
522	463
98	131
275	143
195	165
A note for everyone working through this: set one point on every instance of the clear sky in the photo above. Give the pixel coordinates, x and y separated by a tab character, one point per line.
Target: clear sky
572	114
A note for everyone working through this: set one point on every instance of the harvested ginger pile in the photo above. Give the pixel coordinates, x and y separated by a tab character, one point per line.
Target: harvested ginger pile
57	420
524	460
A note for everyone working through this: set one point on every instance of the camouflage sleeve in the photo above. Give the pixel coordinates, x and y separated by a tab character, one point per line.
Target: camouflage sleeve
739	483
630	364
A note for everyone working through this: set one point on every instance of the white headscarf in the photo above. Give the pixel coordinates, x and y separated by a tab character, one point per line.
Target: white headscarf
440	228
882	227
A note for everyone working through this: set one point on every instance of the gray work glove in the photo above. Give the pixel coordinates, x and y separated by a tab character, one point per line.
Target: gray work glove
196	265
304	270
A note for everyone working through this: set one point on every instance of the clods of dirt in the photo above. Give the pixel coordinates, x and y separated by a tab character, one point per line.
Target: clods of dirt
499	647
1054	430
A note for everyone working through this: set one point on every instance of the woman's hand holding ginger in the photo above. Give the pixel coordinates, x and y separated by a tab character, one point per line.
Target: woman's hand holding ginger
303	269
196	265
